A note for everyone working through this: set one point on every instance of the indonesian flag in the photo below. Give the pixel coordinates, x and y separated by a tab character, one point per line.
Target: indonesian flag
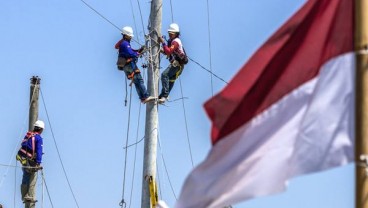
289	111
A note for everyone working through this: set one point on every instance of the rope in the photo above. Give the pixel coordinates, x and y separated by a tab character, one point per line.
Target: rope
209	44
43	193
15	184
209	71
126	92
47	189
135	154
57	149
186	124
122	202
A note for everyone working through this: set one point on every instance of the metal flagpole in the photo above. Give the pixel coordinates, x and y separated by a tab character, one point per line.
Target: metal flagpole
361	105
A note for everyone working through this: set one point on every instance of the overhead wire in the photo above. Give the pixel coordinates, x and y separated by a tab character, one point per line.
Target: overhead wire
57	150
103	17
164	163
47	189
140	12
208	70
209	43
186	123
172	13
183	104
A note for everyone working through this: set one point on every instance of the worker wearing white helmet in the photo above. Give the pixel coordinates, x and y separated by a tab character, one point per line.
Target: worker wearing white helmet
176	54
127	62
30	156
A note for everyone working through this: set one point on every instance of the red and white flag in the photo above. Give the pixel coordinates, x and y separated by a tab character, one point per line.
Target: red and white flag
289	111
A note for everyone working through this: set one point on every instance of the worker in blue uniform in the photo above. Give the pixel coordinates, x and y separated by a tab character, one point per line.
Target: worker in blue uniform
30	155
127	62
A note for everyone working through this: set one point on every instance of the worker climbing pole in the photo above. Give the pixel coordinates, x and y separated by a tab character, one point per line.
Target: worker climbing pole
127	62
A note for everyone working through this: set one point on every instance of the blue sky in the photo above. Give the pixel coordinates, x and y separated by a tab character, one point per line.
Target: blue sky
71	49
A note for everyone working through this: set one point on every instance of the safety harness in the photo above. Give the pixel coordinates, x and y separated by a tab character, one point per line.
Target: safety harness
24	154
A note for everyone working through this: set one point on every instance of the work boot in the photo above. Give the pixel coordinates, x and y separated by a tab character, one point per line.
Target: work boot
28	199
162	100
148	99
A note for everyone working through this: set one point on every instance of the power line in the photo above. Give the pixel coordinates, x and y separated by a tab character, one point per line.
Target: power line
172	13
103	17
47	189
209	43
209	71
57	149
186	123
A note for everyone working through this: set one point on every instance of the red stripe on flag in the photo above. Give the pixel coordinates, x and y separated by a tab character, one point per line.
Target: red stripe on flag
320	30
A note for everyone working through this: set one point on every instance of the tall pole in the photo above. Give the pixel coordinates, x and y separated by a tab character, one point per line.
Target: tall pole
33	114
150	141
33	107
361	108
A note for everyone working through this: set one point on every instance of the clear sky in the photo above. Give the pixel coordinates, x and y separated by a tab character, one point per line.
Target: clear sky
71	48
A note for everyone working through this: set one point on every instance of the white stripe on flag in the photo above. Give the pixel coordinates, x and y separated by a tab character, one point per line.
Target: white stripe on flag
308	130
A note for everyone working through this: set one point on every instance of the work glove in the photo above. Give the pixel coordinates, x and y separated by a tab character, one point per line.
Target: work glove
161	40
142	49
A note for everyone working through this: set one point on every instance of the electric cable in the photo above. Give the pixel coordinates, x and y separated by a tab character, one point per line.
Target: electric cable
57	150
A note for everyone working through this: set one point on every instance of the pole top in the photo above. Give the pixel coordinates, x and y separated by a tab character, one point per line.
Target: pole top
35	80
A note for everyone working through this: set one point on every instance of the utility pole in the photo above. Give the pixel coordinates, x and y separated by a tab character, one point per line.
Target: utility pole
150	141
33	116
33	107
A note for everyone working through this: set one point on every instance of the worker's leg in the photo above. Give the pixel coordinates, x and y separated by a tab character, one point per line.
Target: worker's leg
139	86
25	184
168	78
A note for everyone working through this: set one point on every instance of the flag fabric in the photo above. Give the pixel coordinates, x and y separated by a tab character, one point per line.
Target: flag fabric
289	111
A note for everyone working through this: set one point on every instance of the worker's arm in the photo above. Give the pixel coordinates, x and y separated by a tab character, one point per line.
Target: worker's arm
169	50
128	51
39	144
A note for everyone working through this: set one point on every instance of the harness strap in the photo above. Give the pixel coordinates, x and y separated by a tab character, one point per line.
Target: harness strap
26	153
33	145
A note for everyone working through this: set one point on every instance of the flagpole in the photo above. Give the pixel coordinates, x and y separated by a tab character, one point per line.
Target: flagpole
361	106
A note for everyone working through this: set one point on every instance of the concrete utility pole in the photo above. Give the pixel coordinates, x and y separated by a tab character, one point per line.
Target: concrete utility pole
33	116
150	141
33	107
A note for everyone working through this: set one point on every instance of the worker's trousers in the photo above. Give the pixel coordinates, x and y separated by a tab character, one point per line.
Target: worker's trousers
28	187
137	80
168	77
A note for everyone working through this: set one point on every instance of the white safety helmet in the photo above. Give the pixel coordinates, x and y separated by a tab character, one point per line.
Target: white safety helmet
127	31
173	28
39	124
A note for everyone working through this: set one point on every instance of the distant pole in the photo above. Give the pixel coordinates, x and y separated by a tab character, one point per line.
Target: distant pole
150	141
33	107
361	108
33	113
